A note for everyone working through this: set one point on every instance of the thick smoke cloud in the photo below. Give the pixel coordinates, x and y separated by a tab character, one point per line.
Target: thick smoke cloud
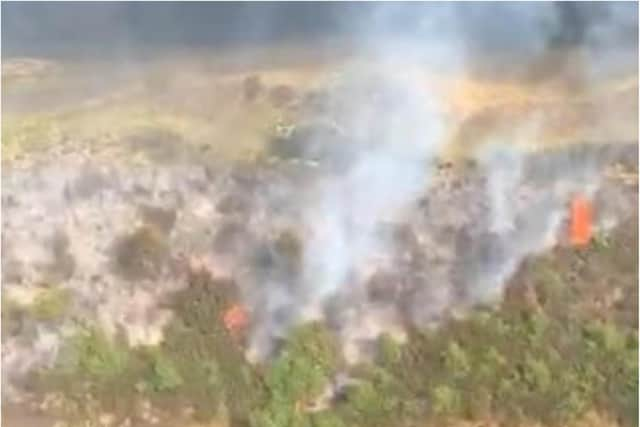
492	37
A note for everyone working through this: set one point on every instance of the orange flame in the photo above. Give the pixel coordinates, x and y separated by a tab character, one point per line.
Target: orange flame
235	319
581	221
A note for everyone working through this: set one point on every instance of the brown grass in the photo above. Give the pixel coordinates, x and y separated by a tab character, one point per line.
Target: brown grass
206	105
590	419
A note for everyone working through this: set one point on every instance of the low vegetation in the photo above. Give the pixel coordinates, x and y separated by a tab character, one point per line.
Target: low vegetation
542	356
186	124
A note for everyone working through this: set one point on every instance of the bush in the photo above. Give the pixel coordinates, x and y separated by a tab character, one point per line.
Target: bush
164	375
299	374
513	363
445	400
390	351
98	357
456	361
369	406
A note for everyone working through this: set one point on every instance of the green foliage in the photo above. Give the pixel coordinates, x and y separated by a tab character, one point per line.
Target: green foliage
298	375
327	419
198	362
445	400
519	363
164	374
536	374
601	242
604	337
390	351
208	360
98	357
456	360
378	399
368	405
550	364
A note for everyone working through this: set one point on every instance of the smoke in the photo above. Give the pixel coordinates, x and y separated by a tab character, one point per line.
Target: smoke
462	234
395	130
499	34
394	134
467	244
388	238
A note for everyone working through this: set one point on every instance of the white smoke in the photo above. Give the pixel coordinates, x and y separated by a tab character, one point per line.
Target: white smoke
391	128
396	132
513	205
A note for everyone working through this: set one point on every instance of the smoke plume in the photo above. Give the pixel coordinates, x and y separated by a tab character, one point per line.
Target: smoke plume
382	233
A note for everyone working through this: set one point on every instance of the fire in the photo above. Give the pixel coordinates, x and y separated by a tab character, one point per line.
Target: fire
581	221
235	319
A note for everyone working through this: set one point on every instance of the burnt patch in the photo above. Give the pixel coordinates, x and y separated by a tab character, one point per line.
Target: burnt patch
141	254
289	247
63	264
161	218
279	260
252	87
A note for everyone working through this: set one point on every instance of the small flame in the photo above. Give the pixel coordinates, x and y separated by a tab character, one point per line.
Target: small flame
235	319
581	221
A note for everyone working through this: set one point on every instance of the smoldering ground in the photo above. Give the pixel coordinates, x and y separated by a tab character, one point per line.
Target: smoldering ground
363	229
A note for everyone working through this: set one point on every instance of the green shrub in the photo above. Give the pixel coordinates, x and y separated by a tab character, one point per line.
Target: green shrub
456	361
327	419
98	357
369	405
445	400
549	365
164	375
299	374
537	374
390	351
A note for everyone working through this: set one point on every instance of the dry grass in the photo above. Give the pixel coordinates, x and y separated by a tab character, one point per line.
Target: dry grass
204	104
591	419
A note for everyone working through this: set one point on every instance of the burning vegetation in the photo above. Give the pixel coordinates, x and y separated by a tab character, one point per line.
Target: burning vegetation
353	356
387	247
